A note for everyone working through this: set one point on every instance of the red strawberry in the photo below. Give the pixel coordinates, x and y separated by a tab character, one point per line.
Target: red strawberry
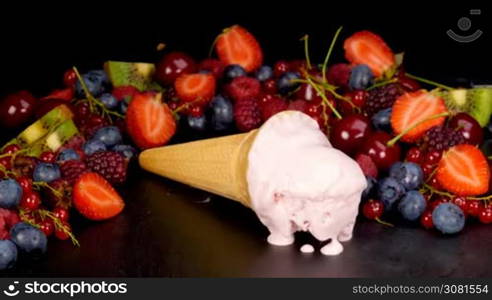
124	92
243	87
197	88
95	198
64	94
367	165
149	121
365	47
464	171
271	107
237	46
414	107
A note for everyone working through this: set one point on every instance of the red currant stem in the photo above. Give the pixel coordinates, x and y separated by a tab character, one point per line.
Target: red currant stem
305	38
382	83
323	96
58	224
430	82
330	50
393	141
39	184
449	195
384	222
489	157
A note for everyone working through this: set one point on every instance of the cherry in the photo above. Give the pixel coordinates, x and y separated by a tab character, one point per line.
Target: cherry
409	84
69	78
414	155
25	183
30	201
47	157
280	68
432	157
11	149
373	209
473	207
195	111
376	146
270	86
47	227
470	129
426	219
485	215
62	234
298	65
16	109
349	133
308	93
172	65
61	214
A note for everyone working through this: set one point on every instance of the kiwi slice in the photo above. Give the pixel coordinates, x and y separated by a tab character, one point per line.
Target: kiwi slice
55	139
138	75
477	102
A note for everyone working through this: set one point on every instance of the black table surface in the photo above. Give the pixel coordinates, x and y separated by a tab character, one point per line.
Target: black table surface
170	230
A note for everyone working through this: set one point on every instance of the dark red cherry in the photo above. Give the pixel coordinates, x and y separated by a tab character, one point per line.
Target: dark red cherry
377	148
349	133
16	109
172	65
470	129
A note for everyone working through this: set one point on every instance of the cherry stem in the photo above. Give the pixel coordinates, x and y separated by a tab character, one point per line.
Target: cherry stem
382	83
305	38
393	141
384	222
330	50
427	81
323	96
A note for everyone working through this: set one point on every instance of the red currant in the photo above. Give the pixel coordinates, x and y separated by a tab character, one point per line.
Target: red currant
69	78
25	183
373	209
30	201
11	149
485	215
460	202
280	68
47	157
414	155
473	208
61	213
6	162
426	219
173	105
47	227
270	86
196	111
433	157
62	234
428	169
435	203
358	98
433	182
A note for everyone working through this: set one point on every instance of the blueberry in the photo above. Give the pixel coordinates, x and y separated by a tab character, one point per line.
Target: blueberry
95	81
123	107
197	123
390	191
233	71
46	172
369	191
126	150
382	119
8	254
10	193
29	239
286	82
93	146
67	154
264	73
360	77
448	218
222	113
109	101
412	205
409	174
109	136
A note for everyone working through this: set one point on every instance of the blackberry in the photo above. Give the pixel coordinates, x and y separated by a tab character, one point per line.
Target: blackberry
109	164
441	138
382	97
72	169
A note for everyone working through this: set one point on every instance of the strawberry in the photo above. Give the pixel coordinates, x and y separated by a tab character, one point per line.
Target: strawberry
365	47
464	171
414	107
64	94
95	198
149	121
197	88
236	46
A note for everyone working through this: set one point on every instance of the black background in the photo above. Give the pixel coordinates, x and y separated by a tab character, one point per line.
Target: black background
180	237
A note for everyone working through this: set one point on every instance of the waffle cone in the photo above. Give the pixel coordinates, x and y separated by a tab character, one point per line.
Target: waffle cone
216	165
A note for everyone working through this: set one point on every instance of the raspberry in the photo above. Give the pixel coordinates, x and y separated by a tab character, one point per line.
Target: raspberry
339	75
299	105
271	107
440	138
8	218
76	143
72	169
247	114
243	87
109	164
382	97
214	66
367	165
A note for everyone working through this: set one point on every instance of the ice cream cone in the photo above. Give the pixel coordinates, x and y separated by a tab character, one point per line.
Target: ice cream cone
216	165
